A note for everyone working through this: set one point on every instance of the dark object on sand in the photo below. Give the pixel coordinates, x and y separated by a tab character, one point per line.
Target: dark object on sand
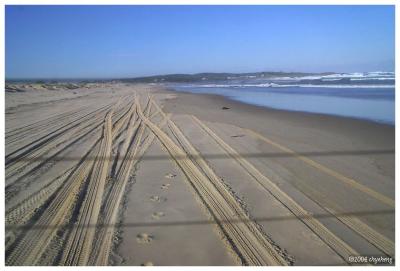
237	135
225	108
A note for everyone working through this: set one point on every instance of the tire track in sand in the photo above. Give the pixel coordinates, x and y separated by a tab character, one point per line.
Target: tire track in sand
77	250
31	129
36	238
355	224
348	181
113	202
51	136
359	227
35	241
21	169
372	236
111	205
24	211
22	165
21	213
246	238
26	169
334	242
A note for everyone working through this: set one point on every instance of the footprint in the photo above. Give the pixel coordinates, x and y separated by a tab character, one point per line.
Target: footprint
170	175
144	238
147	264
165	186
157	199
157	215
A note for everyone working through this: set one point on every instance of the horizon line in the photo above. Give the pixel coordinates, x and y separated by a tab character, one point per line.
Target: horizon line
167	74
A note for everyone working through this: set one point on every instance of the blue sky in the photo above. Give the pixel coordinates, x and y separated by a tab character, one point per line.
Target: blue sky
129	41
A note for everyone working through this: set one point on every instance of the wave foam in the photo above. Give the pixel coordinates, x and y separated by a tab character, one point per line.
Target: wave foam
272	85
378	75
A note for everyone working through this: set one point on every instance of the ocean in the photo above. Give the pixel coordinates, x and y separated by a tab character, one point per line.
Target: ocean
369	96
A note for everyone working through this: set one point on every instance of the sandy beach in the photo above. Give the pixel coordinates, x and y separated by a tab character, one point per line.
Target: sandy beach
136	174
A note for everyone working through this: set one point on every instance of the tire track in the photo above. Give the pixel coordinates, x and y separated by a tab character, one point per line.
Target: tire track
26	176
348	181
120	122
372	236
34	159
28	129
77	251
38	236
34	133
375	238
343	249
131	127
27	168
51	137
246	238
54	133
131	158
117	131
35	241
21	213
112	203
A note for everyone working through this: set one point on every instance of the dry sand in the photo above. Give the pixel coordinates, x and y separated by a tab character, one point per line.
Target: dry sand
138	175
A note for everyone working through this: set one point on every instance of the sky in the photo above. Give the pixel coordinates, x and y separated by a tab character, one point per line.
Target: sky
131	41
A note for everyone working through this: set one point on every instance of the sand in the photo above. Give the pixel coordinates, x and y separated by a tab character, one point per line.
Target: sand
121	174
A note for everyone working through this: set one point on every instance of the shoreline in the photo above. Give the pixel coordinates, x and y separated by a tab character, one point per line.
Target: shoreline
319	160
350	141
221	99
285	110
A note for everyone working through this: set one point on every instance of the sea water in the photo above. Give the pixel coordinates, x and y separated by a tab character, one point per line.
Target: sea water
373	99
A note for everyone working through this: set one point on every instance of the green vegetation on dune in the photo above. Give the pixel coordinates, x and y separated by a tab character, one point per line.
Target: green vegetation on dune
215	76
174	78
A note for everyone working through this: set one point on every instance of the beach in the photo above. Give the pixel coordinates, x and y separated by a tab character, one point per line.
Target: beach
139	174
